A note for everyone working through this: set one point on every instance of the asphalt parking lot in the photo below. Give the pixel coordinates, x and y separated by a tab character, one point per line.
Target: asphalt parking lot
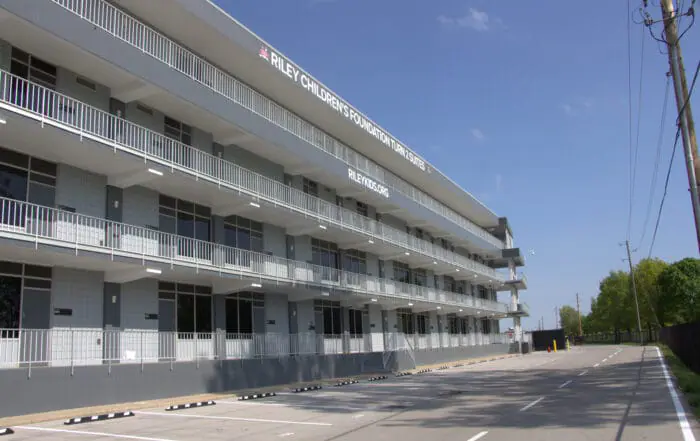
538	396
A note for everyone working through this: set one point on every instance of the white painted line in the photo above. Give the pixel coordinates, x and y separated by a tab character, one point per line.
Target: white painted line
250	420
531	404
92	434
355	417
680	412
478	436
604	360
284	435
297	406
583	373
596	365
565	384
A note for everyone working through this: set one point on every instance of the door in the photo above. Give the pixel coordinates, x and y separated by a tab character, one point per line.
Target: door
167	336
111	317
36	322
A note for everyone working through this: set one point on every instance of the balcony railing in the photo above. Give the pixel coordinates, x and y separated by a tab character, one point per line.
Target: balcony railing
29	348
107	128
34	222
151	42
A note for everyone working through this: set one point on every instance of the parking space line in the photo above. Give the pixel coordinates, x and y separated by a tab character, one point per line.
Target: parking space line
93	434
596	365
478	436
250	420
532	404
301	406
583	373
284	435
565	384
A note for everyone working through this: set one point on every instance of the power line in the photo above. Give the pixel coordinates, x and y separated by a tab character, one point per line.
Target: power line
663	198
657	161
633	170
629	112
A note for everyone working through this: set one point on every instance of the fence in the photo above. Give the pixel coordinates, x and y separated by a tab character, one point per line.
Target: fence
684	342
621	337
83	347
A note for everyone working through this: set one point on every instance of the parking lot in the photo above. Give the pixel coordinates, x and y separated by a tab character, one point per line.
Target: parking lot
578	394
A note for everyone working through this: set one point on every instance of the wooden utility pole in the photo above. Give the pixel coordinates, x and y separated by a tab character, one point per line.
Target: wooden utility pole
634	291
685	114
578	308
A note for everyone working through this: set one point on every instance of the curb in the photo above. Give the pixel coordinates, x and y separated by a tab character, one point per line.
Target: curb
306	389
257	396
345	383
423	371
442	368
6	431
190	405
102	417
404	374
379	378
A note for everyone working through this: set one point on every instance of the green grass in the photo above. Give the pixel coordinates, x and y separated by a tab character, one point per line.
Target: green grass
688	381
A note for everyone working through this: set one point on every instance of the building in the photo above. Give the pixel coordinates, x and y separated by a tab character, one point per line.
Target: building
182	204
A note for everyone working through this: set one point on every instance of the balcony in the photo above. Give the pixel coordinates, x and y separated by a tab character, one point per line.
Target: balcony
28	348
519	282
105	17
519	310
126	249
127	153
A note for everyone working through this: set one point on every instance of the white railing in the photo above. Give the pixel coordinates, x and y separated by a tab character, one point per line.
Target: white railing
108	128
22	220
155	44
84	347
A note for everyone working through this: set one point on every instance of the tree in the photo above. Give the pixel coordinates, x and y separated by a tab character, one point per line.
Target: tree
680	287
647	273
569	320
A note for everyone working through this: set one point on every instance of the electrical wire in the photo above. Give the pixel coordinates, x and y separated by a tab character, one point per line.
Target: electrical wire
639	125
670	165
629	115
657	161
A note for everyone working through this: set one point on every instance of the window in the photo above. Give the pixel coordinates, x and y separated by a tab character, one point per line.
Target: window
450	284
24	178
420	277
188	220
402	273
482	291
13	278
239	314
404	317
177	131
355	261
243	233
331	317
33	69
194	308
362	209
310	187
453	324
356	323
422	323
325	254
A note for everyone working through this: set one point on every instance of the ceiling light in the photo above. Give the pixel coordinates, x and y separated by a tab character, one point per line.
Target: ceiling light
457	269
155	172
323	227
374	300
153	271
3	120
410	304
371	241
254	204
256	285
407	253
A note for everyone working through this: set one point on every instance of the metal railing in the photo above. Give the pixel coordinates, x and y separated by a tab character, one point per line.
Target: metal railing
22	220
107	128
85	347
132	31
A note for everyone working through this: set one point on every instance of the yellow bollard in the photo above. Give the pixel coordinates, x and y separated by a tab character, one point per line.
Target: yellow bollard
568	345
555	345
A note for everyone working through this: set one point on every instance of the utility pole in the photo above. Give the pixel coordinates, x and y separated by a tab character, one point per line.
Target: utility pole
634	291
685	115
578	308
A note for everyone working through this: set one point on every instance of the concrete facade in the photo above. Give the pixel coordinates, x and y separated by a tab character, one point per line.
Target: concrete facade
164	230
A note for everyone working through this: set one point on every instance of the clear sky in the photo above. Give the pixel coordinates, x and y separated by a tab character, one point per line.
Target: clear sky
526	108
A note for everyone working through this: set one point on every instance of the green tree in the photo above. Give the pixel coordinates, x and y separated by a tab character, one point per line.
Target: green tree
569	320
679	284
611	310
646	274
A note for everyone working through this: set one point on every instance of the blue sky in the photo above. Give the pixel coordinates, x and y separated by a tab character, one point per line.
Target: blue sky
526	108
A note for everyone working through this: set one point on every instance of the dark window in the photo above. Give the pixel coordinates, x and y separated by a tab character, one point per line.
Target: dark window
422	324
239	316
10	300
355	322
185	313
355	261
405	321
325	254
331	317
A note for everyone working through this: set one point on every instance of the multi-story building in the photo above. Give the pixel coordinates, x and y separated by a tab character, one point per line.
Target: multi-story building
179	195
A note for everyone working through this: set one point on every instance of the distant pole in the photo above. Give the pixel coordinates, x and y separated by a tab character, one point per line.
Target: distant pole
578	308
634	291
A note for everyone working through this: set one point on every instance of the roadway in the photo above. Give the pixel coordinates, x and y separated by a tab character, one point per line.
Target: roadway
591	393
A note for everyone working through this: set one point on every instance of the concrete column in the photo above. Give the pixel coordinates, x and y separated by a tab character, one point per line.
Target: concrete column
219	302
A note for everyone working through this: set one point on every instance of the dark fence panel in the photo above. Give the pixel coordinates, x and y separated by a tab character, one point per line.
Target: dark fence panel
541	340
684	341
